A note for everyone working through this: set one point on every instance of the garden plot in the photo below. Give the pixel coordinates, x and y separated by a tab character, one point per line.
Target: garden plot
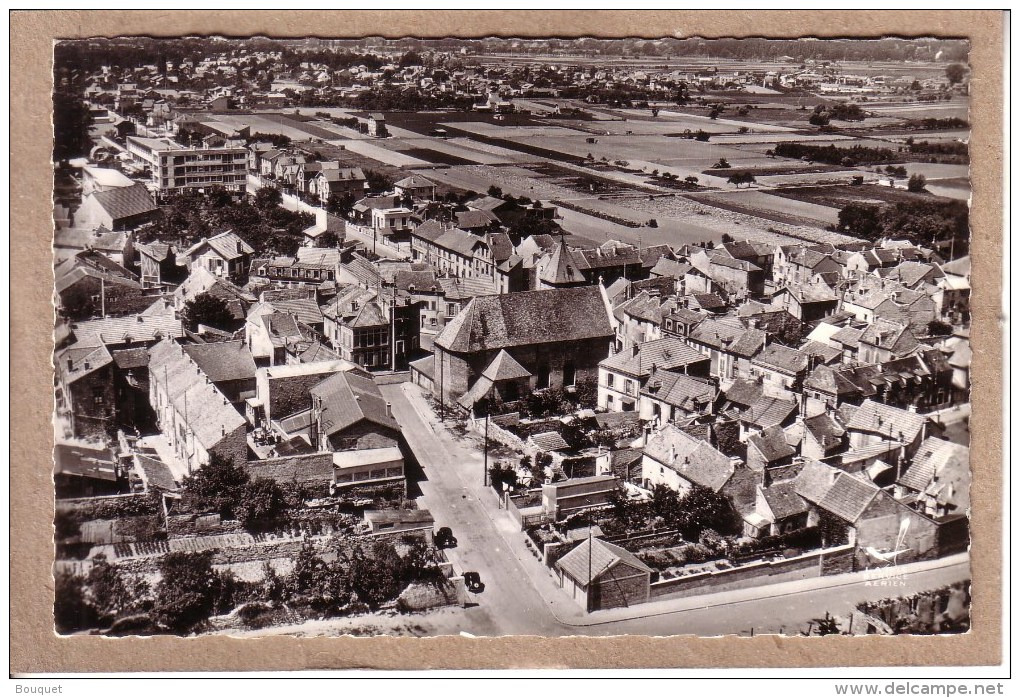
771	138
840	196
706	123
458	150
510	132
383	155
763	204
511	180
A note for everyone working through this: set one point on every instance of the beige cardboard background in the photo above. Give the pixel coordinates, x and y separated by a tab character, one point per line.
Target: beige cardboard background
35	648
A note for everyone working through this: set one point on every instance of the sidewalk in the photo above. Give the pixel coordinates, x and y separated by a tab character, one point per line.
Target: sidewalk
568	613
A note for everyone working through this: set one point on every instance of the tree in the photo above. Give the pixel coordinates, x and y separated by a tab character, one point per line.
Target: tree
955	73
260	504
186	593
207	309
217	486
110	590
723	164
819	118
71	123
702	508
860	220
376	575
71	609
328	240
496	192
268	198
916	183
665	504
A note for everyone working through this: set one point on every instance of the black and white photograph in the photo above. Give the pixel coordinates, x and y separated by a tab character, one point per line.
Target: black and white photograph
511	336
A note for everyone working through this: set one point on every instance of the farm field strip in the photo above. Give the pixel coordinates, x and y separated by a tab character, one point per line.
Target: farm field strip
756	200
702	121
839	196
383	155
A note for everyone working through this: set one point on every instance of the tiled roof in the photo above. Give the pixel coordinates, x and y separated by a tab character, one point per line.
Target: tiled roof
814	480
347	398
744	392
769	412
847	336
849	497
825	430
210	415
128	329
877	418
505	367
363	270
671	268
228	245
771	443
130	358
531	317
594	558
783	500
549	441
891	336
154	473
304	309
126	202
823	351
414	182
461	288
782	358
694	460
668	353
223	361
679	390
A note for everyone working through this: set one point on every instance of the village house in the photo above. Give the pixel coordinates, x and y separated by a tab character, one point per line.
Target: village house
807	302
226	254
90	285
120	208
453	251
229	366
338	181
668	396
781	370
416	187
938	479
673	458
873	423
157	264
622	375
196	418
729	345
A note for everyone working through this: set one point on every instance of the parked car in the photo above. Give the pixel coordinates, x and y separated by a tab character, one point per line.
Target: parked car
473	582
444	538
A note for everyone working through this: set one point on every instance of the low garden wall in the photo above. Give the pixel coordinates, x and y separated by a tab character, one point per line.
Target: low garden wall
816	563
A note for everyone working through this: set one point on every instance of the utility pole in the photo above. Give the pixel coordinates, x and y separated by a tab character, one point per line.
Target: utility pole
102	296
393	330
485	462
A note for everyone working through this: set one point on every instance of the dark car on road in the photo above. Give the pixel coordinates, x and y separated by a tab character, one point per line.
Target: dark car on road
444	538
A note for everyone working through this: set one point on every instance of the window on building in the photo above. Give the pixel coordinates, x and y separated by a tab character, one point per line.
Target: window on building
543	377
610	379
569	373
628	386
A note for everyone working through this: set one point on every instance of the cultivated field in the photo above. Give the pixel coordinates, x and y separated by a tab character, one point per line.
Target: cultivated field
764	204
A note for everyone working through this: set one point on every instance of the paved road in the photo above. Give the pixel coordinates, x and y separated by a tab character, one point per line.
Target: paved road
521	597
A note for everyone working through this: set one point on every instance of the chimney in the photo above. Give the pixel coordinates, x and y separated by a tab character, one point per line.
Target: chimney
70	365
389	410
635	349
141	319
672	452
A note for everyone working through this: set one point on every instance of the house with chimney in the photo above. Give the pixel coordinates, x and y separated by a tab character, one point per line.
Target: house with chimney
624	374
226	255
195	416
